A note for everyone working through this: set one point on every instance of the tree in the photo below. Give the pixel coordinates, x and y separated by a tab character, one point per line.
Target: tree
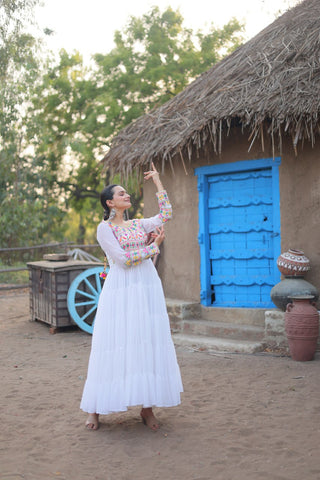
78	110
62	133
20	208
26	204
154	59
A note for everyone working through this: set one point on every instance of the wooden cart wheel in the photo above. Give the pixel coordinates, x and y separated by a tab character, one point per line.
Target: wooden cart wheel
83	296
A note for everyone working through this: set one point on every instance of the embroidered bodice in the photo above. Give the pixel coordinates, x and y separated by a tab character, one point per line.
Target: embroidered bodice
127	246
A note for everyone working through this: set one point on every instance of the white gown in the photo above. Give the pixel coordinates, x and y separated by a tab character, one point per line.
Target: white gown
132	360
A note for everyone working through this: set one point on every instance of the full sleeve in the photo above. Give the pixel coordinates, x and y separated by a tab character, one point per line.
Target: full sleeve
164	215
117	254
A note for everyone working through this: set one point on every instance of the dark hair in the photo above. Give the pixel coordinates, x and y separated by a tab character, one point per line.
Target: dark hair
107	194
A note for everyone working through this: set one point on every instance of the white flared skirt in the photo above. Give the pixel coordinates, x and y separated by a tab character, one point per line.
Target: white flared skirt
132	359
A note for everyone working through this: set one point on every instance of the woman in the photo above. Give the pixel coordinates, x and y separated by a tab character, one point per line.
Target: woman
132	360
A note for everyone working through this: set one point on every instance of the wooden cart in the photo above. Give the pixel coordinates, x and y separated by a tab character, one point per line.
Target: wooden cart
65	293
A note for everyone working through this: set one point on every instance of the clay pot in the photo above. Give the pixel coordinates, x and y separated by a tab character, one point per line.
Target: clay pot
283	292
302	328
293	263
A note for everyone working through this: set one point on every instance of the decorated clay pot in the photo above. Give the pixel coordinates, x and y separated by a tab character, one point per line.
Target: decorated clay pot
302	328
293	263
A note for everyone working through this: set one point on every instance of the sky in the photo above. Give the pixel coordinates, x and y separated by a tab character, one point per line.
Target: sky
89	25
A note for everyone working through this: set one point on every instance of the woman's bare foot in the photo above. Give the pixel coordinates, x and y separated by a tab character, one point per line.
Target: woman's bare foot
92	422
149	419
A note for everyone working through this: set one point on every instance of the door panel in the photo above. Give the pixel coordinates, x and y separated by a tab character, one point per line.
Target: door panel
239	234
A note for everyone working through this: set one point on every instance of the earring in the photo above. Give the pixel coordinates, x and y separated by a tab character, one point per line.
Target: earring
112	214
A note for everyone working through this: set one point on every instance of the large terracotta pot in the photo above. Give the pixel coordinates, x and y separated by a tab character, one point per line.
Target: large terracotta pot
302	328
293	263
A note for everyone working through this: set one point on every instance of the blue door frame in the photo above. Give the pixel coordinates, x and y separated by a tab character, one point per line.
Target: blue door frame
239	232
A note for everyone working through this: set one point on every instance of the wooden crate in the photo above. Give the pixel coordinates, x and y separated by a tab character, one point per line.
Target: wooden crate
49	284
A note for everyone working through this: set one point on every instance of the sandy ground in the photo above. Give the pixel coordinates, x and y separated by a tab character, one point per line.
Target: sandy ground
244	417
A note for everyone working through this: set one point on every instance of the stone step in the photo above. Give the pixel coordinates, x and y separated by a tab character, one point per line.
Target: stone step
213	344
217	329
179	309
239	316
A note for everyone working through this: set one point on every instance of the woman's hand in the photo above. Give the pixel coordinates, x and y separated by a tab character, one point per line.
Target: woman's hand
160	236
155	177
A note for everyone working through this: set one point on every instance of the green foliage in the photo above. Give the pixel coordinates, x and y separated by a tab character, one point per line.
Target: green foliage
154	59
57	120
14	278
26	216
19	205
64	128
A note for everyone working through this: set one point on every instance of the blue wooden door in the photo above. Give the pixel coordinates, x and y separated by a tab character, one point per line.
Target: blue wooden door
239	233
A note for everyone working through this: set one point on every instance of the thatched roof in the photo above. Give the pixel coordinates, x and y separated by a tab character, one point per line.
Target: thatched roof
271	84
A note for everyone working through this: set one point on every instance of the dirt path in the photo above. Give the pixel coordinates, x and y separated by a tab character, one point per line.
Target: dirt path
243	417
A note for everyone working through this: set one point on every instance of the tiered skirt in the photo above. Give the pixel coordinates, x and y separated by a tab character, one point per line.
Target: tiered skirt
132	360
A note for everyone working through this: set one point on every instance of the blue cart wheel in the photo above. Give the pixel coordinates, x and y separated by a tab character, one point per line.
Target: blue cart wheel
83	297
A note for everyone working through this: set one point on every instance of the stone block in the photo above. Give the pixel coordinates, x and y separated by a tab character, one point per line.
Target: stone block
275	335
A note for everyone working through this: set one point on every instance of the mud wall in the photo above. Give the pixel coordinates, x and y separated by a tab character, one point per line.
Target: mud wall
179	263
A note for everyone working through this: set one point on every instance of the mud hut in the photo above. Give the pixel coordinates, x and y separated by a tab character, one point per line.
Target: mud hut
239	154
